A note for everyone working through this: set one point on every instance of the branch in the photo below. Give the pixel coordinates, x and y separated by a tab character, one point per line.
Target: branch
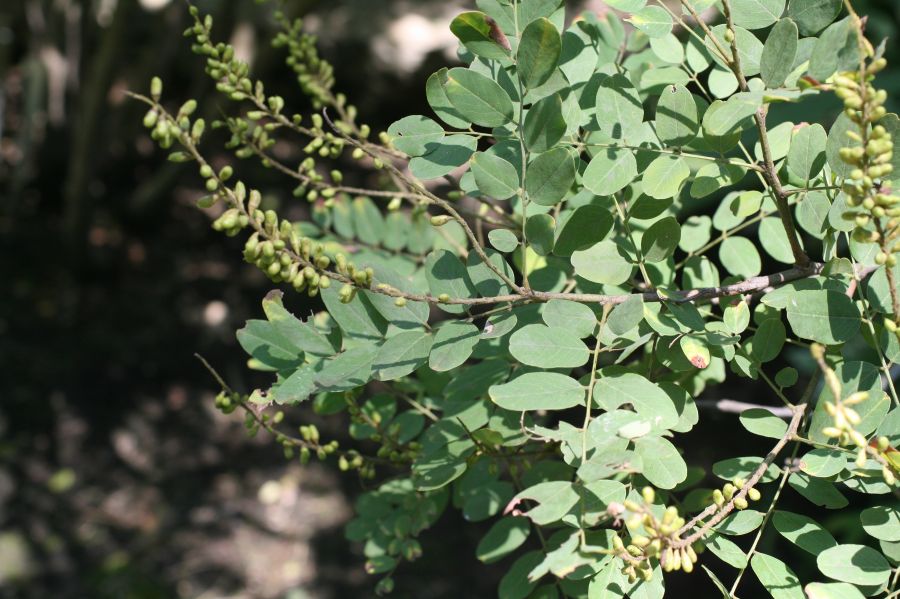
770	173
719	514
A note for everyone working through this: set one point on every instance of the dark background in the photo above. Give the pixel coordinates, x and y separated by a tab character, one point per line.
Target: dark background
117	477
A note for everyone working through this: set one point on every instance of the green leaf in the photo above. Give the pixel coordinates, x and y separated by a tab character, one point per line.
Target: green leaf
661	239
494	176
744	467
544	124
663	178
757	14
413	135
263	341
367	220
806	157
603	262
296	388
447	154
554	499
581	228
740	523
539	230
486	281
824	316
440	103
357	319
768	340
779	580
802	531
837	139
737	317
504	537
548	347
739	257
818	491
503	240
695	233
478	98
447	274
620	113
779	52
730	116
348	370
480	34
627	5
856	564
882	522
654	21
727	551
538	52
401	355
627	315
823	463
774	240
411	315
812	16
677	116
574	316
612	390
453	344
300	335
549	176
663	465
832	590
763	423
538	391
611	170
515	584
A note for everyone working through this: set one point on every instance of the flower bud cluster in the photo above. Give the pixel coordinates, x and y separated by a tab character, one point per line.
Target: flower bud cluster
876	209
660	540
845	419
729	490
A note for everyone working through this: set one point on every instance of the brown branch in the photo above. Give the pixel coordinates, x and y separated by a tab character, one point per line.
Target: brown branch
770	173
718	514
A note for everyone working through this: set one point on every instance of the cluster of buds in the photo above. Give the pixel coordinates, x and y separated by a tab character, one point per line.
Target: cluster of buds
276	253
312	446
876	208
727	493
845	419
871	158
362	277
391	447
315	76
659	539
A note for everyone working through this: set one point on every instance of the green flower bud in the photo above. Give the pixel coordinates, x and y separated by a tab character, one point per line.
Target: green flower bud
156	88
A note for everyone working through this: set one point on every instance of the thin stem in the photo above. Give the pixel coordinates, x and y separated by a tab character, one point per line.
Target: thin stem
593	380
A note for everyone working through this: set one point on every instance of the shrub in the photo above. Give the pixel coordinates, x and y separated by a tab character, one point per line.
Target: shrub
559	261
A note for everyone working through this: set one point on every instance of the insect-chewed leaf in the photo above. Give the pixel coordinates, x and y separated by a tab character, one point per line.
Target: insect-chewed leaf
481	35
